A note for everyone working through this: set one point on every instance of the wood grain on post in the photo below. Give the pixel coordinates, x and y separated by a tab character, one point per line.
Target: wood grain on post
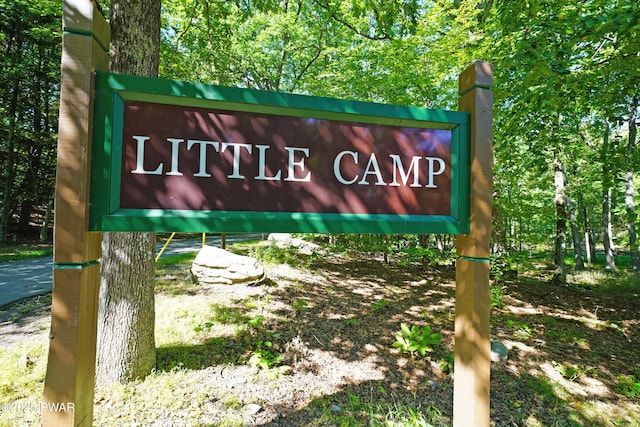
69	382
473	300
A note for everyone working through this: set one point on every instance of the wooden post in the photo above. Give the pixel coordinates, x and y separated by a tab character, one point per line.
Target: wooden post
473	300
69	383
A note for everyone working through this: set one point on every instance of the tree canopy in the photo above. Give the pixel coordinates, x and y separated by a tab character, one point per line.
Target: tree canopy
567	88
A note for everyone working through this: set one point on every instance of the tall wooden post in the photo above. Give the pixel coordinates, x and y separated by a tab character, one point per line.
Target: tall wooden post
473	301
69	383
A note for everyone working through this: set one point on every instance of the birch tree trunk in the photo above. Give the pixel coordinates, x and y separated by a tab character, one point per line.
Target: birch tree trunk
126	316
559	270
607	183
589	233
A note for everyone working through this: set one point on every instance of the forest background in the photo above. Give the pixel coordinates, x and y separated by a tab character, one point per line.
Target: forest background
567	76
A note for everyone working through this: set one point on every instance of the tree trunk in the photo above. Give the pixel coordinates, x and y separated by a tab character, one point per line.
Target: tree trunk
589	239
10	168
578	252
126	341
126	315
629	190
607	183
499	228
46	221
610	263
560	246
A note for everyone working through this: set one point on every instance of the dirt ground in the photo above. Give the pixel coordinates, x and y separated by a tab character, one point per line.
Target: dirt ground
334	318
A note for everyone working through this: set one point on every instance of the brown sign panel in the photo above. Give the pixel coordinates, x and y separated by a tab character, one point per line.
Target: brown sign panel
188	158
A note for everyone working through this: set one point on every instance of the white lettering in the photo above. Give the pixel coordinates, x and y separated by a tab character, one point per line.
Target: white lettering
372	169
404	175
175	147
261	165
408	172
292	164
336	167
140	159
236	157
203	154
433	172
58	406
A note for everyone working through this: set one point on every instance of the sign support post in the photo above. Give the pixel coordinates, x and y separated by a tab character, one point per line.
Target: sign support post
69	382
473	300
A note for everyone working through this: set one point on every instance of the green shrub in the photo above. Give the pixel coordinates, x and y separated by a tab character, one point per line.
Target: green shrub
416	339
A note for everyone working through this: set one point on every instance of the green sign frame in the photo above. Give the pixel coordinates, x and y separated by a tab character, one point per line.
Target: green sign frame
113	90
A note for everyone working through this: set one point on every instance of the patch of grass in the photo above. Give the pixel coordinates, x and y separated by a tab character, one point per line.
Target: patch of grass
22	370
229	315
186	259
621	284
173	275
22	252
158	390
358	411
271	254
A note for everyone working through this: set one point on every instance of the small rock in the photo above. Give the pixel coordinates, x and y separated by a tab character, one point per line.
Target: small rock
336	408
499	352
287	240
252	408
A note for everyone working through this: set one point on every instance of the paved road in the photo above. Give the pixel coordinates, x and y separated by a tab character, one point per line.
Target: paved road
29	278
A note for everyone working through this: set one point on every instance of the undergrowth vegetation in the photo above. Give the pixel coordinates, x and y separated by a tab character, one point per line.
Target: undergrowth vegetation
361	334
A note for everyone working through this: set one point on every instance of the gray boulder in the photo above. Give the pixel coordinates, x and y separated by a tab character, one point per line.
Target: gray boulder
287	240
216	266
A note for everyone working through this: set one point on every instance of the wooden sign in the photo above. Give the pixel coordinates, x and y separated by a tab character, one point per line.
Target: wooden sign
176	156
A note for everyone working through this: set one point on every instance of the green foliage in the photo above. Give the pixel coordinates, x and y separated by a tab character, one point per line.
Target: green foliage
629	385
267	359
272	254
497	295
264	357
299	305
425	256
407	249
256	321
416	339
203	326
521	329
569	372
380	304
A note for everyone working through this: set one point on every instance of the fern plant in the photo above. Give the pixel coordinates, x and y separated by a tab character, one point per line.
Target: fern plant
416	339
